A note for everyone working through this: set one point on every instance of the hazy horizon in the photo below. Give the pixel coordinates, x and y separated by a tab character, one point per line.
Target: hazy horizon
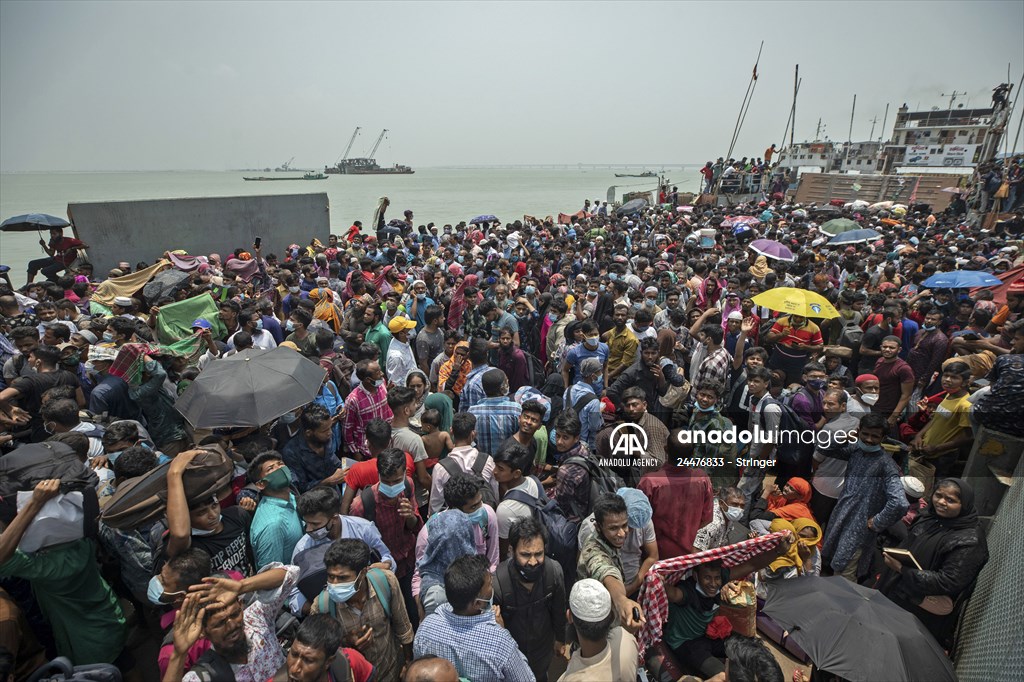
110	86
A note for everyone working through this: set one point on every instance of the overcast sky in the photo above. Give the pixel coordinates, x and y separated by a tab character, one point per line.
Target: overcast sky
189	85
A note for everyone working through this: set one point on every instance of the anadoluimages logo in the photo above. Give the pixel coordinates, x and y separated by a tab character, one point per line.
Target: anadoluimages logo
628	440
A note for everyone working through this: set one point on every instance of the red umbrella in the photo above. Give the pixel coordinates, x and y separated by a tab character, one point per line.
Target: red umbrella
1008	278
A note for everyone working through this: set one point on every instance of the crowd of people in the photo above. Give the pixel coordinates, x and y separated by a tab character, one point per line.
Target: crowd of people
451	504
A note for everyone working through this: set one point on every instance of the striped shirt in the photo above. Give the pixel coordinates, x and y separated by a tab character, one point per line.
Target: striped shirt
496	419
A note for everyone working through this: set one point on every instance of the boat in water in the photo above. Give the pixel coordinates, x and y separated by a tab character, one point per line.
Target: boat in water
307	176
366	165
645	174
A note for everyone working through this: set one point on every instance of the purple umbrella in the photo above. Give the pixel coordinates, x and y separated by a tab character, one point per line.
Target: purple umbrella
769	248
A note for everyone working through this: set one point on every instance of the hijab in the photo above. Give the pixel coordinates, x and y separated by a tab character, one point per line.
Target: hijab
760	268
791	559
929	529
449	536
325	308
459	303
785	508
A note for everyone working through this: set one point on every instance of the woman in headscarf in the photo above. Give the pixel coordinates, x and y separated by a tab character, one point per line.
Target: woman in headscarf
444	538
452	374
802	558
947	542
760	268
326	309
790	502
417	381
709	295
460	303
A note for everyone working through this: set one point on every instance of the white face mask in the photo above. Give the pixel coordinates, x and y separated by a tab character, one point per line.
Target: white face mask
869	398
734	513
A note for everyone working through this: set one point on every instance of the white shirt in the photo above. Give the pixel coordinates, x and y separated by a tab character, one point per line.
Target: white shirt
465	457
400	362
510	511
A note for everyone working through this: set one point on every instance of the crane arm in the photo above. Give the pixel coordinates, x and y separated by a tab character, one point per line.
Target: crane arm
377	143
350	142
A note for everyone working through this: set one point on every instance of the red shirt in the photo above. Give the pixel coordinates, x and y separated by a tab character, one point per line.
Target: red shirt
682	500
393	531
64	249
364	474
890	377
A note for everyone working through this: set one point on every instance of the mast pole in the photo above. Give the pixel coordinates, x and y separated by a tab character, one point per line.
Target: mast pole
849	137
796	90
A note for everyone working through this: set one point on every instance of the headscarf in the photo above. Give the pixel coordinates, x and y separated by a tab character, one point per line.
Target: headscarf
667	344
728	308
760	268
792	557
443	404
785	508
703	302
448	366
800	524
449	536
325	308
459	303
927	531
638	507
243	269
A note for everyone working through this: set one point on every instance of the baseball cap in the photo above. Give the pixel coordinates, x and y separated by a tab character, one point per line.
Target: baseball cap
201	324
399	323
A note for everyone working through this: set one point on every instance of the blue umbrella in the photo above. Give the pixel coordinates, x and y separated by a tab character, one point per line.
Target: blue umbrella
483	219
961	279
32	221
854	236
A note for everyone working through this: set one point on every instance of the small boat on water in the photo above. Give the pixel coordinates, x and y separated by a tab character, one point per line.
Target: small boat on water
307	176
645	174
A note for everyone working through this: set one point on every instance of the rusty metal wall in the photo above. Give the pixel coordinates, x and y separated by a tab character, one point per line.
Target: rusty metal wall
822	187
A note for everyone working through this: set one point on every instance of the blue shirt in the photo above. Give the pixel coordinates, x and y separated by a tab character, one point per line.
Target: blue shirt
590	416
578	353
274	531
309	468
421	312
481	649
473	391
496	419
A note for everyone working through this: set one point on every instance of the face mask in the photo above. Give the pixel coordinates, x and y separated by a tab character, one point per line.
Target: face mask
197	531
553	317
392	491
479	263
288	418
421	297
278	479
613	276
489	602
603	288
734	513
108	337
530	290
294	290
650	302
592	341
816	384
71	360
378	383
710	408
459	259
259	325
479	517
868	448
289	326
640	330
48	428
929	328
701	591
637	306
530	574
89	367
155	592
869	398
339	593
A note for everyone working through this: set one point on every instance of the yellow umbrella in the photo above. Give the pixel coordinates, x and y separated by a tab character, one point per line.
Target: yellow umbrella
796	302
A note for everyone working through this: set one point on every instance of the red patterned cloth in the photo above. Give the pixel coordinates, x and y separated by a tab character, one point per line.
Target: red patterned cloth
671	571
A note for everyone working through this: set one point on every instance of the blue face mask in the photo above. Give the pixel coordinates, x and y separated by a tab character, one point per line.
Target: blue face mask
603	288
155	592
479	517
289	326
339	593
816	384
392	491
530	290
869	448
197	531
710	408
288	418
929	328
640	330
613	276
108	337
259	325
650	302
489	602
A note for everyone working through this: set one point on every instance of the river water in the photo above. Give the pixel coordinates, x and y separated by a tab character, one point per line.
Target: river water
438	195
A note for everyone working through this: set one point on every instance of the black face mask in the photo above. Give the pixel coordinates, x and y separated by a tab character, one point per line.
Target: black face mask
530	574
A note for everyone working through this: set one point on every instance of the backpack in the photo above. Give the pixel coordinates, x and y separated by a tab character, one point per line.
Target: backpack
851	334
61	669
583	402
602	480
562	542
325	605
788	421
486	490
24	467
535	374
369	501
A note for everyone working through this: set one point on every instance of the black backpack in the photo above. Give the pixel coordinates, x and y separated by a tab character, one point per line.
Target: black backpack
535	374
602	480
486	490
791	453
563	534
23	468
61	670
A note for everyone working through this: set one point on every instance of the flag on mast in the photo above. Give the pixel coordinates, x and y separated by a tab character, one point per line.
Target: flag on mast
913	195
755	71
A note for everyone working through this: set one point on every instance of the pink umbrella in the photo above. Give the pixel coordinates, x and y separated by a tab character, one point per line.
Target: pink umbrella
733	221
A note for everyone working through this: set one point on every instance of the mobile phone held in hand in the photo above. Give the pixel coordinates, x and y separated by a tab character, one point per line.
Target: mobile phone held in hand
256	244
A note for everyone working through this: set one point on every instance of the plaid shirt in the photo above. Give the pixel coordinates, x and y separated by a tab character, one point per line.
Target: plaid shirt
670	571
481	649
361	407
393	531
715	367
496	420
473	391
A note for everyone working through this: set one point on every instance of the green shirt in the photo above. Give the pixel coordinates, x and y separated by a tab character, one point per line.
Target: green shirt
599	560
86	618
275	530
379	336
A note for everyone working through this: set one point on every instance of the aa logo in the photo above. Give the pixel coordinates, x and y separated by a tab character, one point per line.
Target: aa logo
816	307
628	440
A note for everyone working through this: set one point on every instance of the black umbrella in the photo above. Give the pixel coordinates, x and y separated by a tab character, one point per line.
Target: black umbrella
30	222
251	388
631	207
856	632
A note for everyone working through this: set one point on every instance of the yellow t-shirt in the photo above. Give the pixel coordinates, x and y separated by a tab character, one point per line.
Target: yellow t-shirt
951	417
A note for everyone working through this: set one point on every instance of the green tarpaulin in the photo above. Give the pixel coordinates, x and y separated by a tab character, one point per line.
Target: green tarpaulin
175	320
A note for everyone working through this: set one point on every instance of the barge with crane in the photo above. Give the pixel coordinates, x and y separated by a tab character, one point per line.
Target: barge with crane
365	165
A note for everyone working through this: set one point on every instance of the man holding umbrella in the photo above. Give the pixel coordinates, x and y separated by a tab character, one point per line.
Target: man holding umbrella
60	253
